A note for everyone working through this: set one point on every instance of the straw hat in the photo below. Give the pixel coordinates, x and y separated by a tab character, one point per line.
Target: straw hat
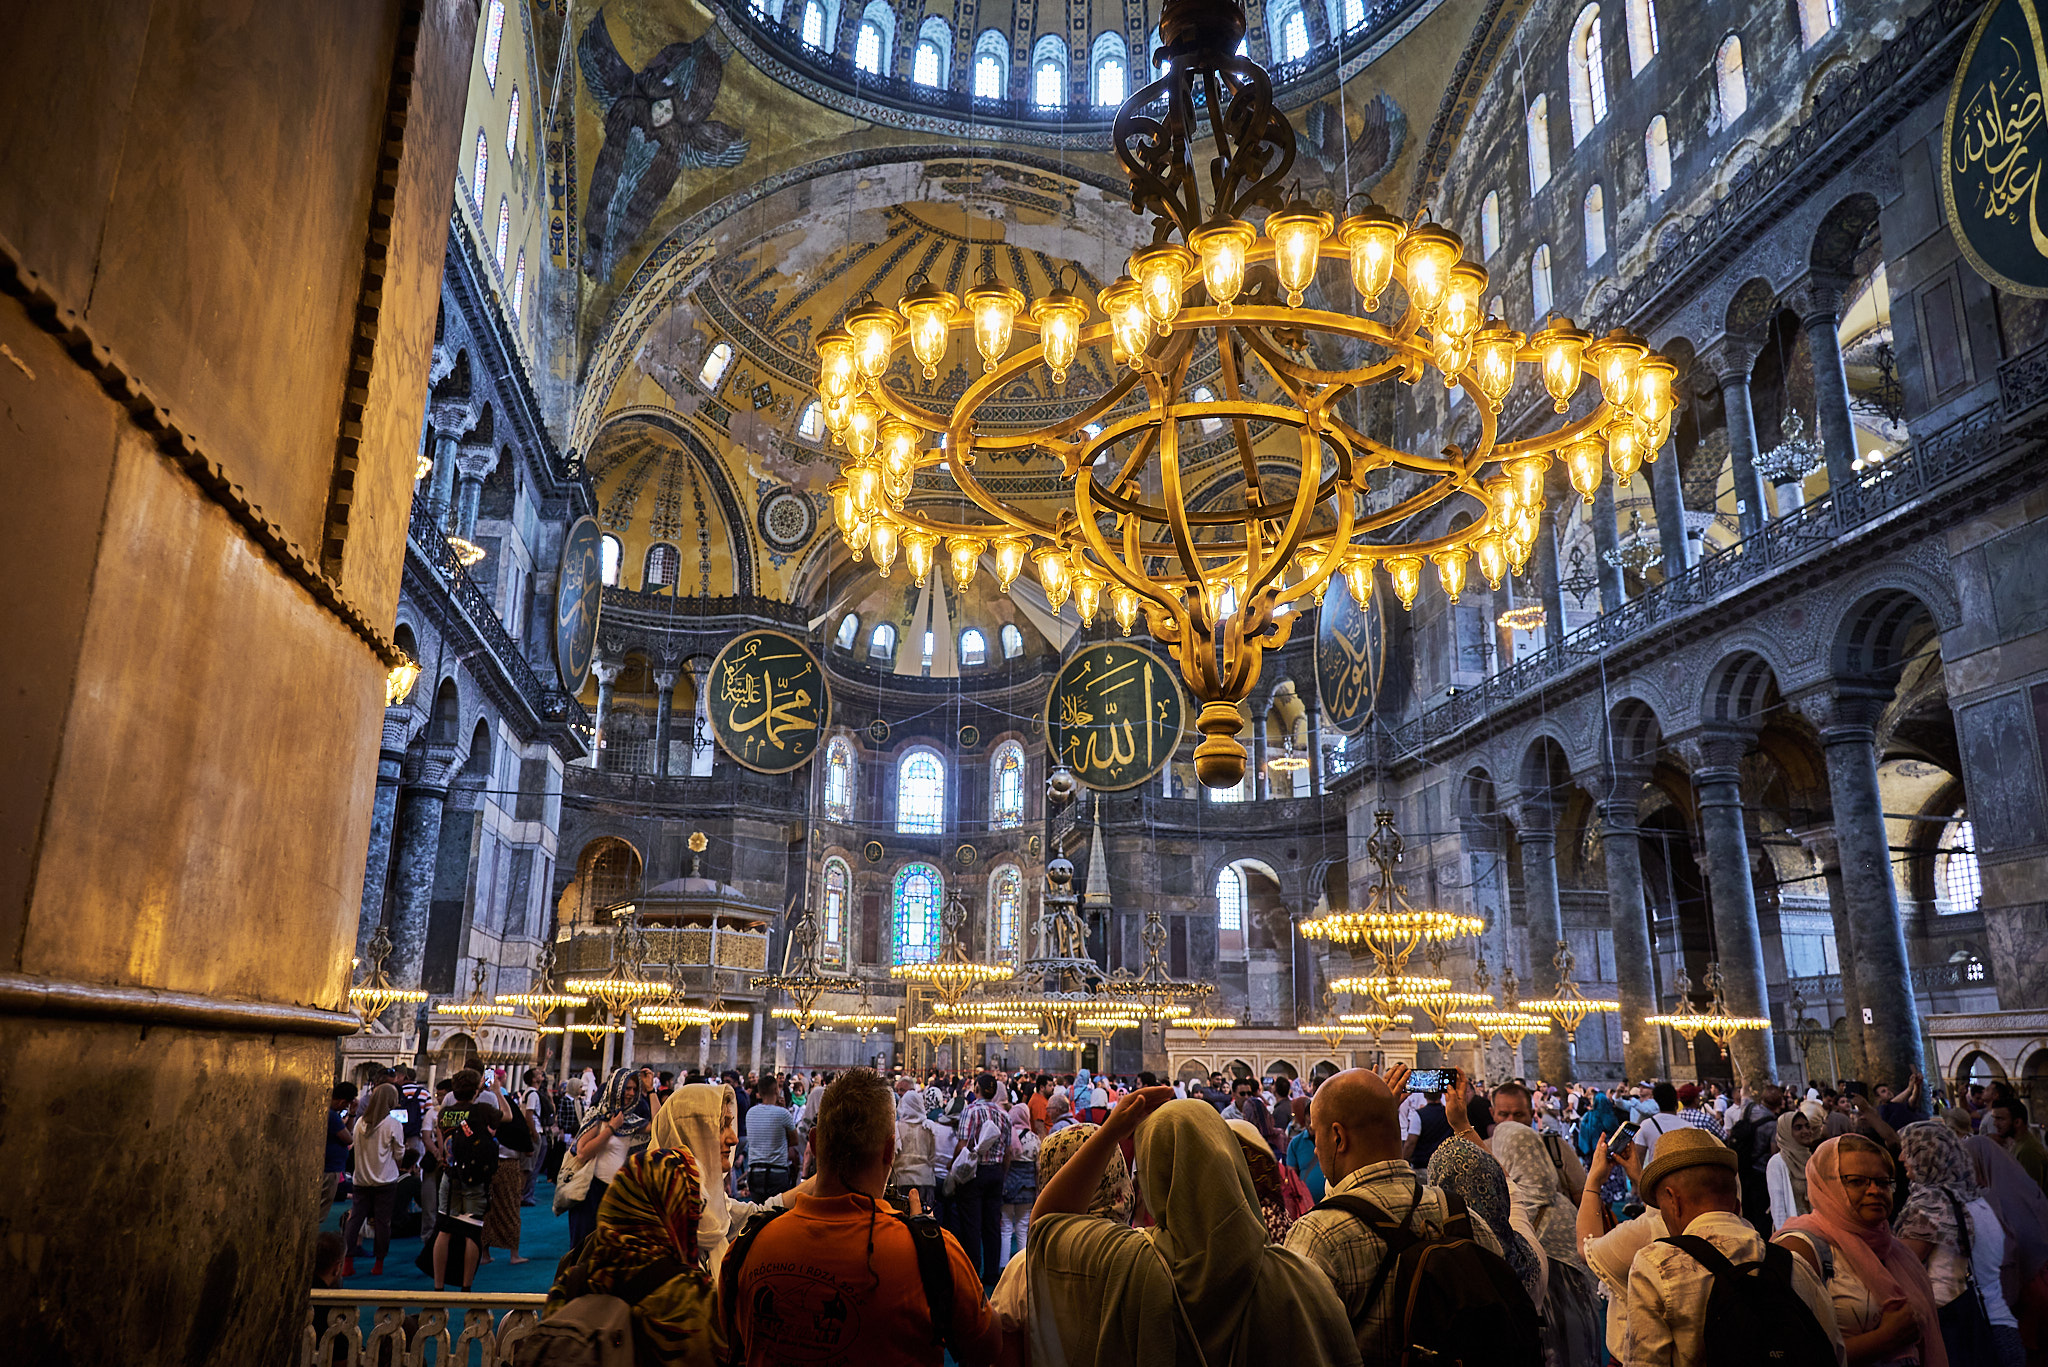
1683	1148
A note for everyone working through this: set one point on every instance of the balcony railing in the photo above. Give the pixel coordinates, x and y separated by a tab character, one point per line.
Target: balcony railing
548	702
1966	975
490	1328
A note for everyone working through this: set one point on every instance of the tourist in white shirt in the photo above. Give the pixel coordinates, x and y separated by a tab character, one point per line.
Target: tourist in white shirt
1663	1122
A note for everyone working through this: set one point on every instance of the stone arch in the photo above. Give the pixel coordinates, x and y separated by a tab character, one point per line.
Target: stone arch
444	722
1738	689
1634	733
609	869
1879	634
1546	770
1838	238
1750	308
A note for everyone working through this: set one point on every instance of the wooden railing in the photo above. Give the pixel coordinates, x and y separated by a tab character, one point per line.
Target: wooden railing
406	1326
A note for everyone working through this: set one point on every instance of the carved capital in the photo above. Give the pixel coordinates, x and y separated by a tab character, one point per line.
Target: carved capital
665	680
1820	843
607	671
1731	358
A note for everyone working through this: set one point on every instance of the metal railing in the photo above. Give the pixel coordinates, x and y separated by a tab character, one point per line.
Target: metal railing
407	1324
1967	975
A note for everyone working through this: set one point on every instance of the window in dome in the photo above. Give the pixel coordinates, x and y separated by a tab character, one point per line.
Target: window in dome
1204	394
867	49
504	237
664	562
1230	898
519	283
1728	76
1353	12
1958	882
1289	30
1109	66
849	631
837	877
1006	911
1596	225
1013	641
919	890
812	423
1489	225
991	66
921	794
610	555
1538	125
932	59
882	643
814	24
1539	281
512	127
1049	73
494	38
973	647
715	364
1006	786
1643	41
838	780
925	64
1588	75
1817	19
1657	155
479	169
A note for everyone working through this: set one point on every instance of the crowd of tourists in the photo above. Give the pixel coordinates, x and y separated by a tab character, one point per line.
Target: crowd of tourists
1077	1219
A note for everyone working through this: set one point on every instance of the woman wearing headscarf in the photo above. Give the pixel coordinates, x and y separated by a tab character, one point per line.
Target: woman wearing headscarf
916	1144
703	1117
1957	1237
1798	1131
1203	1276
1020	1183
2022	1211
1258	1156
1462	1167
645	1251
605	1142
1545	1217
1884	1302
1113	1199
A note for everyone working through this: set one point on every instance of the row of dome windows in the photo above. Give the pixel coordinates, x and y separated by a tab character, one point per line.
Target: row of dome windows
921	787
882	641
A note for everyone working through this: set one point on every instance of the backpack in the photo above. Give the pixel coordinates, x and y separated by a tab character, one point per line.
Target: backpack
934	1271
1754	1317
515	1132
1454	1300
592	1330
472	1152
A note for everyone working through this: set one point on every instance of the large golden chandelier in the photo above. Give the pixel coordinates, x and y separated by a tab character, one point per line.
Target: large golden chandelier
1218	585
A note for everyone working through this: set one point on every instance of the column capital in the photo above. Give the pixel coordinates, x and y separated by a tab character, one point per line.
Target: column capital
1821	844
1818	298
1730	358
665	679
1535	818
607	671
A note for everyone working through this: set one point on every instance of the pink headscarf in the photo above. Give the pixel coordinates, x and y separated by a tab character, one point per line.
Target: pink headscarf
1886	1267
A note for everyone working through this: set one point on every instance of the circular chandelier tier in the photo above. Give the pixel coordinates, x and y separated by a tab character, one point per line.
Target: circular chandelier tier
1448	1037
1389	926
1153	993
1569	1006
1442	1005
1511	1026
1204	1026
952	973
1386	988
541	1005
375	993
1526	617
474	1007
801	981
619	992
1219	584
591	1030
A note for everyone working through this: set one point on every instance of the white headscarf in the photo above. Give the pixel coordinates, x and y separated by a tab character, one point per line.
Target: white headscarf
695	1118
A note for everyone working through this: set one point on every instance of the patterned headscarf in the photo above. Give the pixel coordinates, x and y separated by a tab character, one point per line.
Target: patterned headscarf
649	1214
612	1101
1940	1168
1258	1156
1471	1173
1115	1198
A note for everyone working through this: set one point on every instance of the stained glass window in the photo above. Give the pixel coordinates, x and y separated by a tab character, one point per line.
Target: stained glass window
1006	801
838	780
918	891
836	878
494	38
519	283
477	172
1006	911
921	793
504	231
512	127
1230	899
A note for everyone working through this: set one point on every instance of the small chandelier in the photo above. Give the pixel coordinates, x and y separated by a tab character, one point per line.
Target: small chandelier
952	972
801	981
1204	1026
375	993
625	986
1638	550
1527	617
1152	992
1219	585
540	1003
399	680
1569	1006
476	1006
1796	455
1684	1017
1389	926
466	552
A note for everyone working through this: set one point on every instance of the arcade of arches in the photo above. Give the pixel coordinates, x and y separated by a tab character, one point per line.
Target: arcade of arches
323	334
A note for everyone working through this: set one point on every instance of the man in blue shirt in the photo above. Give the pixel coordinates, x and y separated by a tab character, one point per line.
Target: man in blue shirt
771	1144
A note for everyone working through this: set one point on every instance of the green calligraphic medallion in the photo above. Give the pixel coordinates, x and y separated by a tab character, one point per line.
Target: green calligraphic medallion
579	594
769	701
1351	654
1114	715
1995	143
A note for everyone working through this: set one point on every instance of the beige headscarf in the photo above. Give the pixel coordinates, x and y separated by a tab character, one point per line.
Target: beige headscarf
1102	1293
694	1118
1541	1212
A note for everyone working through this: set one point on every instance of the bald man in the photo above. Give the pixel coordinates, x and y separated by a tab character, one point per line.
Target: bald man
1357	1132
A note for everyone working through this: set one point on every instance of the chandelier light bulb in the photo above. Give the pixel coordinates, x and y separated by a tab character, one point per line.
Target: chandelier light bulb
1453	354
858	540
1494	349
844	513
1583	460
1308	563
1528	473
838	413
963	553
917	553
1372	237
1162	274
1123	602
1406	573
930	311
1426	255
1625	449
899	444
1614	359
1087	595
1358	578
1060	317
1519	552
1297	232
1459	315
866	482
1562	347
1528	522
1009	561
1450	570
1222	247
875	329
995	308
1491	552
882	541
863	427
1124	302
1654	400
1052	575
838	372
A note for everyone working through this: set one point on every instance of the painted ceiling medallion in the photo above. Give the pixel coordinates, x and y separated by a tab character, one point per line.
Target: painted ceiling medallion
787	519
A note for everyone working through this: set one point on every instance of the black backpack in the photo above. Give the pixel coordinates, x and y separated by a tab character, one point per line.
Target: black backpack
1754	1317
1454	1299
934	1270
472	1152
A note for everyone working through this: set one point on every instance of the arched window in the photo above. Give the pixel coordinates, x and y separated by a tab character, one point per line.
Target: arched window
812	422
1005	911
1817	19
1351	13
973	647
519	282
1230	899
504	238
1006	785
1587	71
512	127
494	38
814	24
1539	281
837	878
478	170
1489	225
921	794
1239	791
849	630
1728	77
838	780
1287	31
1643	42
715	362
1958	882
867	48
991	65
1538	125
1657	155
1013	641
1049	73
1596	225
1109	70
932	58
882	643
611	554
919	890
1210	424
664	563
610	873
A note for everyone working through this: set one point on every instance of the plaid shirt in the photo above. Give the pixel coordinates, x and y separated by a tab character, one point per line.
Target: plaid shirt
1350	1253
1703	1120
978	1122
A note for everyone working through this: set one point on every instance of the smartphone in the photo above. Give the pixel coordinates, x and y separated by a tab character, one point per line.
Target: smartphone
403	1117
1432	1079
1623	1137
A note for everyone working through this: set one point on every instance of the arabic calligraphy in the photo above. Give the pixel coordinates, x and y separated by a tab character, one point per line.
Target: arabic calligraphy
1114	716
768	701
1351	655
578	598
1996	127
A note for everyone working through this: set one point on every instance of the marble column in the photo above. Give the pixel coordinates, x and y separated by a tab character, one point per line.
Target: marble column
568	1043
420	809
469	498
441	479
1821	319
1732	899
1891	1032
665	697
1667	495
1547	572
701	744
607	672
1821	844
1315	753
383	829
1641	1056
1554	1052
1742	451
1607	541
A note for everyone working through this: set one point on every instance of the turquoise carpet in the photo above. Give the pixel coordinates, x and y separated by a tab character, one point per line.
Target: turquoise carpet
543	1237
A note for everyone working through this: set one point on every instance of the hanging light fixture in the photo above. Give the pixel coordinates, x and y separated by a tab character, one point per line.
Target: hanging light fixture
952	972
1212	282
374	993
1390	927
801	981
1569	1006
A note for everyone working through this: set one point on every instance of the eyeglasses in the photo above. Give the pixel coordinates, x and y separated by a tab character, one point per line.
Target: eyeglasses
1860	1184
